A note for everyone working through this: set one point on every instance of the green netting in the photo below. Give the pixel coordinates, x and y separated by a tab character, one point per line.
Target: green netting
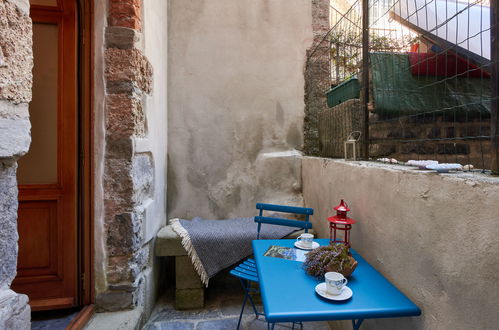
397	92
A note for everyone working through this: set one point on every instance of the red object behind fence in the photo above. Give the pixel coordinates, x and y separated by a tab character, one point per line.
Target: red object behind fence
444	65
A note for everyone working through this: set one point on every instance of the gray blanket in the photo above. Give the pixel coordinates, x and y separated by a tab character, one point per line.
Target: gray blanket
216	244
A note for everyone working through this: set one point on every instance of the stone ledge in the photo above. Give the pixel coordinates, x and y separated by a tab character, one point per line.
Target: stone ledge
469	177
133	319
168	243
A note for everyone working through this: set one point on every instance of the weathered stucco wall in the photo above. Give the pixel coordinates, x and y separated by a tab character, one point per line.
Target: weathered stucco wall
235	102
155	143
16	62
434	236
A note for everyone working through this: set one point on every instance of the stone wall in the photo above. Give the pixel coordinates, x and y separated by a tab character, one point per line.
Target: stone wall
317	76
235	102
16	62
434	236
131	146
336	124
440	140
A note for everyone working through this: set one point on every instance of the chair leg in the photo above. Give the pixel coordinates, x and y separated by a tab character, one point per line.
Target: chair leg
356	324
242	309
247	289
253	305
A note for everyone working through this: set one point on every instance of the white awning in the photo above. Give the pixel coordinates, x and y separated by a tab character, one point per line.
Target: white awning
461	26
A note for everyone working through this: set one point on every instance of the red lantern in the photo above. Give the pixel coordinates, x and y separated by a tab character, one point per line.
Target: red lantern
340	222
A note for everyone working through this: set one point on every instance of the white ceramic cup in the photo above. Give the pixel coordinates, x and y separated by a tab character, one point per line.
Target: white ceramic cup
306	240
335	283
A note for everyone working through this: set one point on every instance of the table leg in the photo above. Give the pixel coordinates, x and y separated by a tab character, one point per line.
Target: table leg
356	324
270	326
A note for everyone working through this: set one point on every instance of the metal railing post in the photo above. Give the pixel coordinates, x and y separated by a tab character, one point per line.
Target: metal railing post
494	62
365	74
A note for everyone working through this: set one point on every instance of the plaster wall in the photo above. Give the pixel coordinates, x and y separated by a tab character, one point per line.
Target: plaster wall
155	49
155	143
235	104
434	236
100	255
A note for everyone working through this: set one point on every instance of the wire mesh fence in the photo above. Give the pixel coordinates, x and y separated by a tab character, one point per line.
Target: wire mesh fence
431	89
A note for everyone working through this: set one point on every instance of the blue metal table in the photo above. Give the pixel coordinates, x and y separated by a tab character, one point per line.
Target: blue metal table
288	292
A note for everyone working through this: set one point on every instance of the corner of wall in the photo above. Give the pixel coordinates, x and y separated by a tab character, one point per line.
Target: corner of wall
16	62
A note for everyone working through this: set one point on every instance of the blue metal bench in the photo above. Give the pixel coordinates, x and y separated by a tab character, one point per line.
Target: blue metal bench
246	271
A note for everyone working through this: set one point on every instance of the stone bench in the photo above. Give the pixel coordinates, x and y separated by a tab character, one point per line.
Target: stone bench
189	290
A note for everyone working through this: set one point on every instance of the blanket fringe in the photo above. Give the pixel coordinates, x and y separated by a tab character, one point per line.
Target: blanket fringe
187	244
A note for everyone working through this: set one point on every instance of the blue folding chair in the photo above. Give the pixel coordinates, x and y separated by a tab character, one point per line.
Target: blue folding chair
246	271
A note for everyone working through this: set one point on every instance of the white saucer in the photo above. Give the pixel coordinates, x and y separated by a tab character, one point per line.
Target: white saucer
345	294
315	245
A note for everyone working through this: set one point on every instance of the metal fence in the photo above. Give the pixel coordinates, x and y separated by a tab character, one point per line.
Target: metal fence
417	78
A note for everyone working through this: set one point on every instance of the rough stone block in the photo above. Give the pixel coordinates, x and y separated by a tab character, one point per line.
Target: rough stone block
122	296
14	129
14	310
22	5
126	269
122	37
124	233
16	54
118	186
15	137
121	87
186	276
168	243
142	176
131	65
126	13
124	115
119	148
8	223
189	298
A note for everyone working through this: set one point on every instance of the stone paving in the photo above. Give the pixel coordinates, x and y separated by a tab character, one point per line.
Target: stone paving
52	320
223	304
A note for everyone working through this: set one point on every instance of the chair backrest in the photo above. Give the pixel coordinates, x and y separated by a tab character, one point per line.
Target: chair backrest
306	224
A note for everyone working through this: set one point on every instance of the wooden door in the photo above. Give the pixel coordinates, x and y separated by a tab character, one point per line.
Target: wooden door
47	176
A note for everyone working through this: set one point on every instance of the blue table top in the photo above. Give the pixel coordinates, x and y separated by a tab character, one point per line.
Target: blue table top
288	292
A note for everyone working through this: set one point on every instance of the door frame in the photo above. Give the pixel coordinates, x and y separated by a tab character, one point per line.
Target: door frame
86	151
85	177
65	190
